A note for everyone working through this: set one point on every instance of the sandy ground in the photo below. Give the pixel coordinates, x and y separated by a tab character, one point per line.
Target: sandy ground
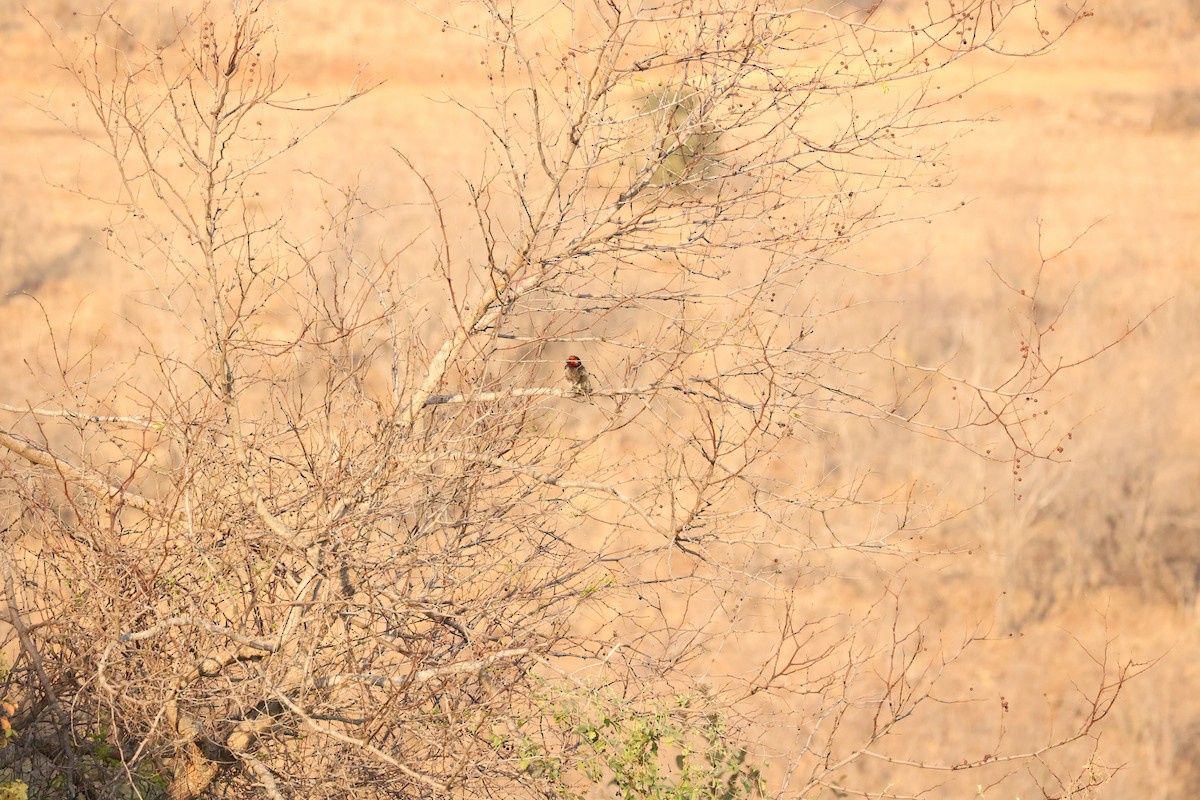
1098	139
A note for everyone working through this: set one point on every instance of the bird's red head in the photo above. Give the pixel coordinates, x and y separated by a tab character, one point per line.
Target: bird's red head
573	362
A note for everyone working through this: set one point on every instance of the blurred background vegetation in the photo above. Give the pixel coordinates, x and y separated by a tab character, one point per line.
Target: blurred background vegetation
1092	152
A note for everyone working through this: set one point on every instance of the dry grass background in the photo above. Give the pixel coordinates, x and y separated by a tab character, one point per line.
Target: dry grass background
1099	138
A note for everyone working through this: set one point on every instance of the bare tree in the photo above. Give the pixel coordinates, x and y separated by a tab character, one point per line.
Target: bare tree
528	501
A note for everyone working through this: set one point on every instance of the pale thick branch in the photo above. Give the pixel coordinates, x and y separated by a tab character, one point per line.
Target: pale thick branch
359	743
424	675
266	645
93	483
263	774
488	308
141	422
616	391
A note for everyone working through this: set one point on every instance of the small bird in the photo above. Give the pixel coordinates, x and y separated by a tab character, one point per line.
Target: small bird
577	377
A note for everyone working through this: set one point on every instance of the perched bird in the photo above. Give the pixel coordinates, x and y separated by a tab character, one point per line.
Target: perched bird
577	377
